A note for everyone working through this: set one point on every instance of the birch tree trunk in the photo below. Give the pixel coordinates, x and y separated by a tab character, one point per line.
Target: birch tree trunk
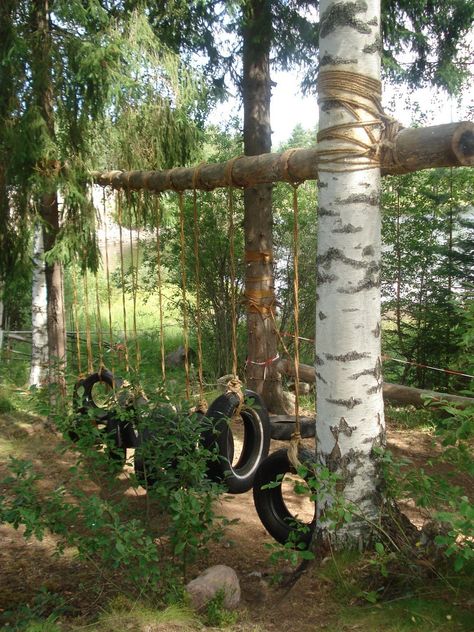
350	416
39	314
42	73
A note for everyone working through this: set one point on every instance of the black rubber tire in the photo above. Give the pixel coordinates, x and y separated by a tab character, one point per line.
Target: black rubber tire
283	430
238	477
269	503
82	403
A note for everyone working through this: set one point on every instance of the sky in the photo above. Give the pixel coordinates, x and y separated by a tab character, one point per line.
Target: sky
289	107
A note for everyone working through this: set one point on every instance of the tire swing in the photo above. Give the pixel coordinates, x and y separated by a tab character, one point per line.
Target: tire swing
283	524
251	414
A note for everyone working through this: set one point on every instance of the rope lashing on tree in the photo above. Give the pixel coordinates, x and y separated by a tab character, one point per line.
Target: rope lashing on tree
380	132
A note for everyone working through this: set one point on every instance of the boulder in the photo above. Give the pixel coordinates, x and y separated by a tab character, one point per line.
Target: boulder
175	359
210	582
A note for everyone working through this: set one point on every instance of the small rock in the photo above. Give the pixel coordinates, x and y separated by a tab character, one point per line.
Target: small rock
213	580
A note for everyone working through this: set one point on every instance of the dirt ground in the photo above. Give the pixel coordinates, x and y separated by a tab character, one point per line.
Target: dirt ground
27	565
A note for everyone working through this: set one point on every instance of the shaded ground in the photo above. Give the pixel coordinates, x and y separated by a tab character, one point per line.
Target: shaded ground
26	566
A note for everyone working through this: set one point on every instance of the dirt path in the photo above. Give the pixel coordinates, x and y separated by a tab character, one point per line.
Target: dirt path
28	565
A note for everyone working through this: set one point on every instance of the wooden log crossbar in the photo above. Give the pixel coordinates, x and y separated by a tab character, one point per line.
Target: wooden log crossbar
450	145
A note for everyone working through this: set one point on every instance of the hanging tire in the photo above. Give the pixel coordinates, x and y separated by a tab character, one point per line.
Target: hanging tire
238	477
84	401
117	434
277	519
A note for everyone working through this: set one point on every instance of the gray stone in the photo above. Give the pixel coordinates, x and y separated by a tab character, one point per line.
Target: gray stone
210	582
175	359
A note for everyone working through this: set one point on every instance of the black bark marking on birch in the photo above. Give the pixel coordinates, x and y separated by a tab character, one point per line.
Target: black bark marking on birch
332	60
347	357
347	228
342	428
373	22
347	403
351	309
377	331
372	199
371	279
320	377
321	315
322	185
335	254
318	361
374	47
333	460
337	15
368	251
376	372
322	278
325	212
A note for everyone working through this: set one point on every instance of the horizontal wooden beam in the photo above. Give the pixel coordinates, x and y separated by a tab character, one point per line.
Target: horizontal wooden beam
450	145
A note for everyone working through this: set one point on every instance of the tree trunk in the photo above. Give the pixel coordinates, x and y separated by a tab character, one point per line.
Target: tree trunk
258	220
48	202
350	413
39	314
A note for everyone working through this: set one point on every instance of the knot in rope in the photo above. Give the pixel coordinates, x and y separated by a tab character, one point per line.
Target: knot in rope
234	385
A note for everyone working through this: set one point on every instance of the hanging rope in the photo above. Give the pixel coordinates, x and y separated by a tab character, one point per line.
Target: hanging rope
295	442
90	361
107	275
160	292
134	276
122	275
234	385
75	317
183	282
99	324
202	404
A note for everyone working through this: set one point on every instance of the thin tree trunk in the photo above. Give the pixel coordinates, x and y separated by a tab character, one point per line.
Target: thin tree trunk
39	314
350	416
48	203
258	218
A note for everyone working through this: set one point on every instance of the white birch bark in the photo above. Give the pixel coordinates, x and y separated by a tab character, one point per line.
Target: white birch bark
39	313
350	416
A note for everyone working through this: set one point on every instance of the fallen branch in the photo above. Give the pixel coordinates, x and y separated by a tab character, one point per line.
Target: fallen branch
397	393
